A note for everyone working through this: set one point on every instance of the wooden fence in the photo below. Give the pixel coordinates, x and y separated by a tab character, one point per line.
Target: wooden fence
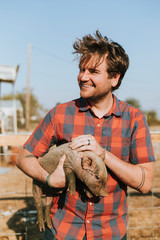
19	139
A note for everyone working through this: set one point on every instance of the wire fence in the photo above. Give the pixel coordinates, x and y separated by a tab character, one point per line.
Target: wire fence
144	209
17	209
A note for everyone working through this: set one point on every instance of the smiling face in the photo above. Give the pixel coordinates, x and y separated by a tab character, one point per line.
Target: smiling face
94	81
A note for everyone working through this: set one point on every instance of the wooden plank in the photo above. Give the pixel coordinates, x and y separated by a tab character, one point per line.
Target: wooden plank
13	139
155	137
19	139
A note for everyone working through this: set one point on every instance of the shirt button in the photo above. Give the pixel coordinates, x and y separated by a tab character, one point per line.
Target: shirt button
90	203
87	221
98	125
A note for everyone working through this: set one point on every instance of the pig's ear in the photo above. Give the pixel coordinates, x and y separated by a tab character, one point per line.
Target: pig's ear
87	162
51	148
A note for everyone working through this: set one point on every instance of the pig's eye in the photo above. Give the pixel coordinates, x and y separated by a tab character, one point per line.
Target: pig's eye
97	177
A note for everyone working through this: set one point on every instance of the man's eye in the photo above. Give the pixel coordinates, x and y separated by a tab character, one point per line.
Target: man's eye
93	70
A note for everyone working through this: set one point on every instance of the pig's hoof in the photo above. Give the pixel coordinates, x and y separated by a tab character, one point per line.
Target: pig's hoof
41	226
49	222
71	192
89	194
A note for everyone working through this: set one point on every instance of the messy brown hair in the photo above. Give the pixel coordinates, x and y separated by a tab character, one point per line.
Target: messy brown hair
116	58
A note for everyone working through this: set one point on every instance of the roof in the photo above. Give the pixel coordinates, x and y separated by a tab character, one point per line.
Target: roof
8	73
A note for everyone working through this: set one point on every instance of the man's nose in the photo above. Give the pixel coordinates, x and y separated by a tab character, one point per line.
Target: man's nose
85	75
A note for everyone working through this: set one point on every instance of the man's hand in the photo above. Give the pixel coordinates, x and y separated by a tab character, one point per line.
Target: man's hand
86	142
57	178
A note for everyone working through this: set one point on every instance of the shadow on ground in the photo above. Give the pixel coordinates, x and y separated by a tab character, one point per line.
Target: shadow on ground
24	222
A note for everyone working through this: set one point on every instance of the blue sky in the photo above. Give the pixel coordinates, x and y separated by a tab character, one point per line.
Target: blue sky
52	26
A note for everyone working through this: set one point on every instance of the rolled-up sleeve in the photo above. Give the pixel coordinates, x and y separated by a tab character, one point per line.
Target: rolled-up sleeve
141	150
38	143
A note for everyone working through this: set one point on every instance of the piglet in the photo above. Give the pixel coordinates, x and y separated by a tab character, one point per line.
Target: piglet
86	166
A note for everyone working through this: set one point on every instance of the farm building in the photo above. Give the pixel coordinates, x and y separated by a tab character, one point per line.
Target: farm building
10	112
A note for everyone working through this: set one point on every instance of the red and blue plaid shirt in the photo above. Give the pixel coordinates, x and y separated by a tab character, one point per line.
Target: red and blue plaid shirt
123	131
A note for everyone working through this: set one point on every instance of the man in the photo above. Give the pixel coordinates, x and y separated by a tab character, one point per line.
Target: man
99	122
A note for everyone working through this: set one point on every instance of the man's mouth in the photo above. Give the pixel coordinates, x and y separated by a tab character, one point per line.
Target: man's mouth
85	85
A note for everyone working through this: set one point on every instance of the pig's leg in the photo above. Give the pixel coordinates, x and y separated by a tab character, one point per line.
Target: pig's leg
88	193
48	204
71	180
37	195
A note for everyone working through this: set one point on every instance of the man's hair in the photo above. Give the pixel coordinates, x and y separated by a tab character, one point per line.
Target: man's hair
116	58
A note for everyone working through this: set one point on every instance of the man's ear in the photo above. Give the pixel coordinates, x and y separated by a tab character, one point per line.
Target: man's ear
115	80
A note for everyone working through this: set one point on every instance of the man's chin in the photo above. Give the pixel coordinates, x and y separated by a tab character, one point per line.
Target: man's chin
93	99
85	96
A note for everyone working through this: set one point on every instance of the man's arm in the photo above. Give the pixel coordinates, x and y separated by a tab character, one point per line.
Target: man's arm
138	176
29	164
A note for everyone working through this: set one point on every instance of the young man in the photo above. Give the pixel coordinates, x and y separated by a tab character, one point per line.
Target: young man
99	122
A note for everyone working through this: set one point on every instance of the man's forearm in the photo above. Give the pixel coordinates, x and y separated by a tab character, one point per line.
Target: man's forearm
138	176
29	164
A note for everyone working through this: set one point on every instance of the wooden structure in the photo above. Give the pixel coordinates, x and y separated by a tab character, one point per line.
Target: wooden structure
13	139
8	74
19	139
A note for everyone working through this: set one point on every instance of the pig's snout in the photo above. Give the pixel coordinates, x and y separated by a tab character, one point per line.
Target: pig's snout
103	193
100	191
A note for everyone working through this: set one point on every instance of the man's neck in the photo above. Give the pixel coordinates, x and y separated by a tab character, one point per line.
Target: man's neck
100	108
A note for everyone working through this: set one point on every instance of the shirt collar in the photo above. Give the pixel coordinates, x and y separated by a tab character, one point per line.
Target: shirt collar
116	108
83	104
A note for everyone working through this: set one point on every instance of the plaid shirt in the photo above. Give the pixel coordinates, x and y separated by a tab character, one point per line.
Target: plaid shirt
122	131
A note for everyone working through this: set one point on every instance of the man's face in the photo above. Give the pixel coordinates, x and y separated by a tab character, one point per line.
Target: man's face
94	82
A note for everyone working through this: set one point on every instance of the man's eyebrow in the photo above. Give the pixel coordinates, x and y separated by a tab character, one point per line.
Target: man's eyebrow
94	69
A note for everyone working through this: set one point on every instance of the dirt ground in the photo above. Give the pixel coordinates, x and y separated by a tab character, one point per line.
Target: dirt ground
17	210
18	214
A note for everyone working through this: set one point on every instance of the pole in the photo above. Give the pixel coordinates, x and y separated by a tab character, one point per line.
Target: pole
0	111
28	90
14	110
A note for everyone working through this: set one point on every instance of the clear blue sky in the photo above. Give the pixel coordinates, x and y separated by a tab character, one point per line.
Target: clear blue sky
52	26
